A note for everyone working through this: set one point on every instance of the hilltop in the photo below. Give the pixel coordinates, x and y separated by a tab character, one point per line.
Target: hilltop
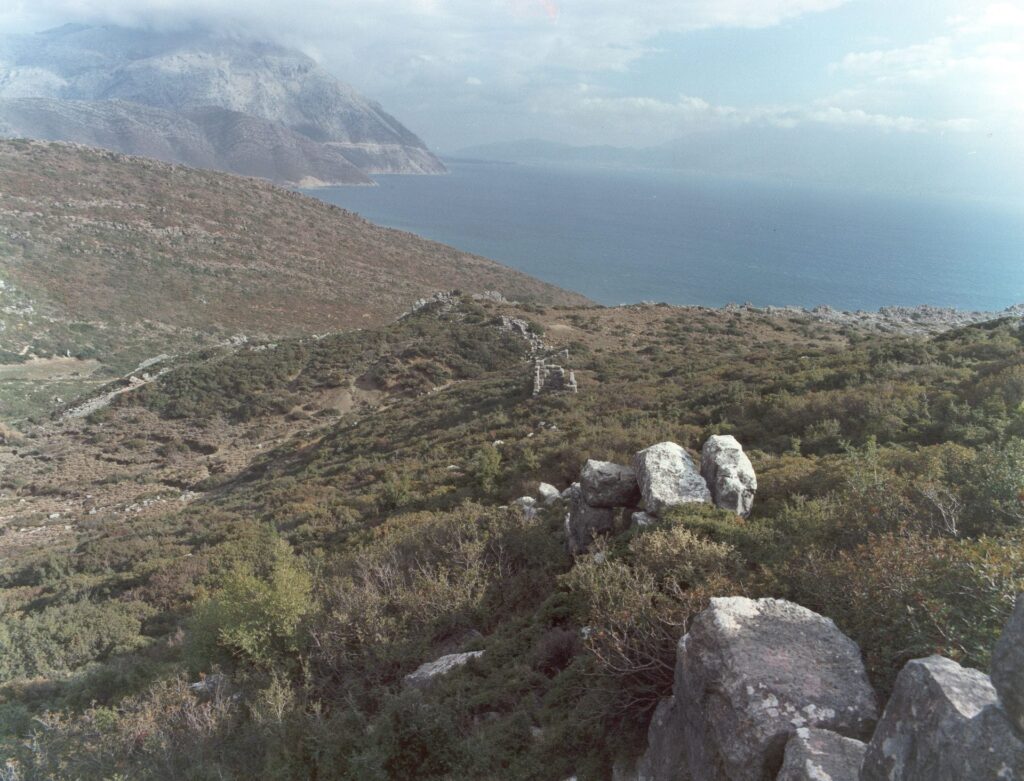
118	259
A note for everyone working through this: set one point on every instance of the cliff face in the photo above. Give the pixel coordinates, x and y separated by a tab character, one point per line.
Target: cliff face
294	109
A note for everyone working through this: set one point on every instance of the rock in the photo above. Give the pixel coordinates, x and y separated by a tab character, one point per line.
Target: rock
821	755
642	519
583	523
943	723
548	493
525	501
729	474
749	673
605	484
571	491
425	674
665	758
1008	666
668	478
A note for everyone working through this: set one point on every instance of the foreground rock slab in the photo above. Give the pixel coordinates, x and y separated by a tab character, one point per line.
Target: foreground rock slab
427	673
749	674
943	723
729	474
821	755
1008	666
605	484
668	478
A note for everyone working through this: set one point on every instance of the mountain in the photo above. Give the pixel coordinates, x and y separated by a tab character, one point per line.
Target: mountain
117	258
119	85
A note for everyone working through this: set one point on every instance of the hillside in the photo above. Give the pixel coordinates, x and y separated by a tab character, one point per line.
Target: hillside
149	92
118	259
230	571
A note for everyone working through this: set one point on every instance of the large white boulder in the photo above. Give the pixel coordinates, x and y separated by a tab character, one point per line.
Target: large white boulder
668	478
729	474
943	723
749	674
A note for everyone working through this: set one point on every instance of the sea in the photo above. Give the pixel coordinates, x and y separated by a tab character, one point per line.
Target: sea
626	236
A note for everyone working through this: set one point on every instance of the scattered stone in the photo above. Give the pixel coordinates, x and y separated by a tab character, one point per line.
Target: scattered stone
821	755
668	478
749	673
729	474
525	501
943	723
548	493
1008	666
605	484
426	673
571	491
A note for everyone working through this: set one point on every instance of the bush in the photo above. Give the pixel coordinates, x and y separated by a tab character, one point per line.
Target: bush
256	620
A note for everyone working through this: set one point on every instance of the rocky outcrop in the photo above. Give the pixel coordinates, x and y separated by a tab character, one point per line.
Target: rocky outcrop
943	723
605	484
729	474
821	755
668	478
749	674
427	673
1008	667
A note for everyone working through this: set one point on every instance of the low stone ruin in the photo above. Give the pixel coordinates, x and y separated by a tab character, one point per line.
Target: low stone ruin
550	378
767	690
610	497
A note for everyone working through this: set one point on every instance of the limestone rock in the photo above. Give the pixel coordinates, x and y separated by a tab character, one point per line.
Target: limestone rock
665	758
729	474
605	484
749	673
821	755
943	723
425	674
1008	666
642	519
668	478
583	523
548	493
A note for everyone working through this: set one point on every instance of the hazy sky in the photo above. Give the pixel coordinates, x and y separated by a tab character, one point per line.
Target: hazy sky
636	72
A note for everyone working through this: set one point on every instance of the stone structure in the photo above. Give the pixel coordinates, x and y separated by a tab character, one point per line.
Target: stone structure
549	378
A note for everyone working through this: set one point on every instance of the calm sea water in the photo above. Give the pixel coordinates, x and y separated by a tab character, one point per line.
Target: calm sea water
628	236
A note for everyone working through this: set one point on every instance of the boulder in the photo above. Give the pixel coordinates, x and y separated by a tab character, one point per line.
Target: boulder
427	673
548	493
605	484
583	523
821	755
668	478
749	673
943	723
1008	666
665	758
729	474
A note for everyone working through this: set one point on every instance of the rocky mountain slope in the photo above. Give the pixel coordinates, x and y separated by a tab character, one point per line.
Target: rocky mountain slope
118	258
145	92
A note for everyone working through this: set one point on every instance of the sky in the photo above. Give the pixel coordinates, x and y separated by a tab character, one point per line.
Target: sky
639	72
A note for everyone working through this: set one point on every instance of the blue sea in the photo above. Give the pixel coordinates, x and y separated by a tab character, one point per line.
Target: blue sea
622	236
